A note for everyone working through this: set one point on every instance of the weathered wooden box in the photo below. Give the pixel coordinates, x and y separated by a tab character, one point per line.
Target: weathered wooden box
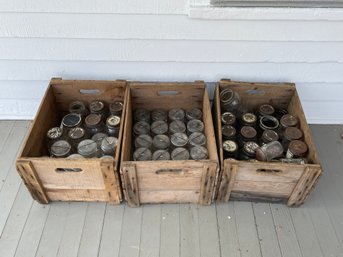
187	181
262	181
92	179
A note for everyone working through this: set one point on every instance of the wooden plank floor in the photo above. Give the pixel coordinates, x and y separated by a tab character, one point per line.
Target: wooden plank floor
237	229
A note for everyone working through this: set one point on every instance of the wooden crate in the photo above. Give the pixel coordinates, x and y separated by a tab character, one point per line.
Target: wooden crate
262	181
168	181
90	179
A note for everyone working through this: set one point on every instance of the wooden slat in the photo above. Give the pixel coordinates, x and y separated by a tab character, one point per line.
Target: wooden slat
170	230
232	179
207	184
172	196
111	182
131	185
189	231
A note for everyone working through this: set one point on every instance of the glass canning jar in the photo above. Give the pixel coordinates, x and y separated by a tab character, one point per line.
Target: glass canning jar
230	149
197	139
143	141
268	123
296	149
265	110
161	155
230	100
159	127
98	107
176	114
194	113
179	140
113	125
269	151
109	145
269	136
198	153
159	114
195	126
98	137
94	124
228	118
247	134
161	142
60	149
180	153
53	135
248	151
71	120
142	154
229	132
88	148
78	107
248	119
177	126
141	128
116	108
141	115
75	136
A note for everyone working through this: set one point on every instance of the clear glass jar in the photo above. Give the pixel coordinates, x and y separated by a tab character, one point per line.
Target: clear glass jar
159	127
141	128
98	107
78	107
228	118
88	149
71	120
53	135
249	119
199	153
180	153
60	149
269	151
142	154
268	123
94	124
116	108
144	141
161	155
109	145
195	126
179	140
230	149
161	142
113	125
194	113
75	156
230	100
176	114
142	115
159	114
197	139
98	137
75	136
177	126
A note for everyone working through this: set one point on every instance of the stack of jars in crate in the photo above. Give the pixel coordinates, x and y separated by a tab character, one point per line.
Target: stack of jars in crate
169	135
267	133
86	131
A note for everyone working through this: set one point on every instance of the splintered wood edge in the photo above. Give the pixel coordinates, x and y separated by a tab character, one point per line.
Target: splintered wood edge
131	185
207	183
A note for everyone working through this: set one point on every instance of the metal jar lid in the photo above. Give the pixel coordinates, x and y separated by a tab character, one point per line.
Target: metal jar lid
288	120
161	142
293	133
142	154
109	145
87	148
116	108
195	126
297	148
113	121
54	133
199	153
248	132
142	115
250	148
76	133
107	157
230	146
71	120
176	114
93	120
266	109
268	122
159	114
194	113
249	118
177	126
75	156
143	141
96	106
179	139
77	107
228	118
197	138
141	128
269	136
228	131
180	153
161	155
98	137
159	127
60	148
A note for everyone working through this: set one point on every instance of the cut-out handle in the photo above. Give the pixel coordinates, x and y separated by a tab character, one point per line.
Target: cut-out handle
60	170
168	92
255	92
163	171
90	91
268	170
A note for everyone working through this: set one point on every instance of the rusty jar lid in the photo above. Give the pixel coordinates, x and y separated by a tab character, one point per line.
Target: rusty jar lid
288	120
116	108
228	131
249	118
293	133
228	118
96	106
266	109
248	132
297	148
230	146
269	136
76	133
250	148
93	120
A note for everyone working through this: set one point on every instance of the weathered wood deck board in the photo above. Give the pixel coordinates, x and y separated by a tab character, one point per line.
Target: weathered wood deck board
235	229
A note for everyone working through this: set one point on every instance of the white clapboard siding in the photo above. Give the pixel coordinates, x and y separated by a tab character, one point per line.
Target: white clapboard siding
96	6
168	50
117	26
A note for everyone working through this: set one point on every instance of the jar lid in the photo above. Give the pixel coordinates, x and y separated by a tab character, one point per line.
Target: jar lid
249	118
75	156
159	114
288	120
228	118
143	141
109	144
269	151
195	126
71	120
142	115
266	109
96	106
176	114
199	153
297	147
179	139
87	147
113	121
268	122
197	138
226	95
269	136
177	126
161	155
194	113
293	133
98	137
54	133
142	154
116	107
77	107
250	147
107	157
60	148
76	133
248	132
180	153
93	120
141	127
230	146
161	141
228	131
159	127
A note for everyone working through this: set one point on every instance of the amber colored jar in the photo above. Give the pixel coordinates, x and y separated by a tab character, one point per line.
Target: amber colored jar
116	108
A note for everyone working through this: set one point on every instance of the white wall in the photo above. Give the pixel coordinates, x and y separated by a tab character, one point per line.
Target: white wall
156	40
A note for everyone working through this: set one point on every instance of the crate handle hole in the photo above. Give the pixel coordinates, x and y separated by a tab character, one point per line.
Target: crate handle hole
161	171
255	92
90	91
60	170
168	92
268	170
